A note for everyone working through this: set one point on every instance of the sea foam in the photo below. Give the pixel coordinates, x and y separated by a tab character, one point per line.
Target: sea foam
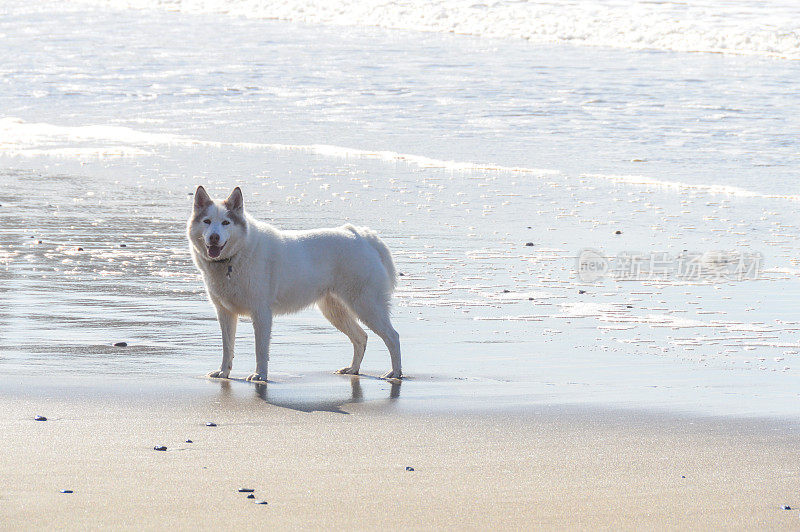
27	139
744	27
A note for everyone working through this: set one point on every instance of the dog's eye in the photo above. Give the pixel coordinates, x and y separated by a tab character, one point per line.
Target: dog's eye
225	222
207	221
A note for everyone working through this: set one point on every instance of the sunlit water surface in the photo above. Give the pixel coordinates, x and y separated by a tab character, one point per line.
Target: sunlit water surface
459	150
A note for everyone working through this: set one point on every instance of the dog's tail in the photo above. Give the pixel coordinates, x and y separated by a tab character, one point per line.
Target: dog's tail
383	251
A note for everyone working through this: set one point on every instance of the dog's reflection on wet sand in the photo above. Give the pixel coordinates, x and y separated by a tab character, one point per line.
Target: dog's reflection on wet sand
320	402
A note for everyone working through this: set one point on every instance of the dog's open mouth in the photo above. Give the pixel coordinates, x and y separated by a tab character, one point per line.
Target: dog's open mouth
214	251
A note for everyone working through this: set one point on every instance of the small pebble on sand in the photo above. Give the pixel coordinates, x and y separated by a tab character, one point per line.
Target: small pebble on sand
617	232
121	344
251	496
210	424
529	244
260	502
123	245
66	491
787	507
189	441
581	291
40	418
408	468
160	448
246	490
80	249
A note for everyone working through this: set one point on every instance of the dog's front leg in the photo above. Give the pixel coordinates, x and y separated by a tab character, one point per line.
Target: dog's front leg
227	323
262	327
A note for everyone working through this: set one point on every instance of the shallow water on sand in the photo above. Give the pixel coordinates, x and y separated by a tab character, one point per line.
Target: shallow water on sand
459	151
479	311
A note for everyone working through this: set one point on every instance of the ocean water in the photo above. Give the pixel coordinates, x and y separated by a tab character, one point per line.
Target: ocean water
462	132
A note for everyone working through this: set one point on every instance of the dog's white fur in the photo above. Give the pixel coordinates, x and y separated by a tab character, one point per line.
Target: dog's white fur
253	269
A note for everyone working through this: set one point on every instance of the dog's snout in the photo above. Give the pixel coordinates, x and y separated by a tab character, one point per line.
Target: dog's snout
213	238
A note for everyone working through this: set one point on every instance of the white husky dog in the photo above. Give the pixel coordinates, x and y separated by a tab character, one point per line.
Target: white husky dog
253	269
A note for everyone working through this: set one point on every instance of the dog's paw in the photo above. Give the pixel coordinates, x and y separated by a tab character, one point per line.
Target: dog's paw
393	375
219	374
257	377
347	371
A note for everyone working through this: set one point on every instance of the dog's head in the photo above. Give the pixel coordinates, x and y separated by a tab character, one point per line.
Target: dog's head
216	228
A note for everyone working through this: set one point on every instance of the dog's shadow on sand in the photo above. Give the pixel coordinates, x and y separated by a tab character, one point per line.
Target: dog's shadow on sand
316	399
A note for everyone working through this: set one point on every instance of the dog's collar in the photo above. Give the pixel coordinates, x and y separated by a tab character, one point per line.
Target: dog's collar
228	262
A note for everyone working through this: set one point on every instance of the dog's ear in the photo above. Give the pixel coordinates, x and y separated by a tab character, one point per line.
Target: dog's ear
201	198
235	201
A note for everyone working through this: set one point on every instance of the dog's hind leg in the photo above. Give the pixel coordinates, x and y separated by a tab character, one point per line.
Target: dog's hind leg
227	323
374	313
343	319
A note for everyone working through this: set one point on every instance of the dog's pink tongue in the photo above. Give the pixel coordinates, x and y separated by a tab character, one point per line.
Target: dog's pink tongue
214	251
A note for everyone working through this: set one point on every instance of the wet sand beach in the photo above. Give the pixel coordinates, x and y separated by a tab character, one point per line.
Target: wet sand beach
322	465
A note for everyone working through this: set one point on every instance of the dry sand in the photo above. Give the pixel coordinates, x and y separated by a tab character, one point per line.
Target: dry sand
548	467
